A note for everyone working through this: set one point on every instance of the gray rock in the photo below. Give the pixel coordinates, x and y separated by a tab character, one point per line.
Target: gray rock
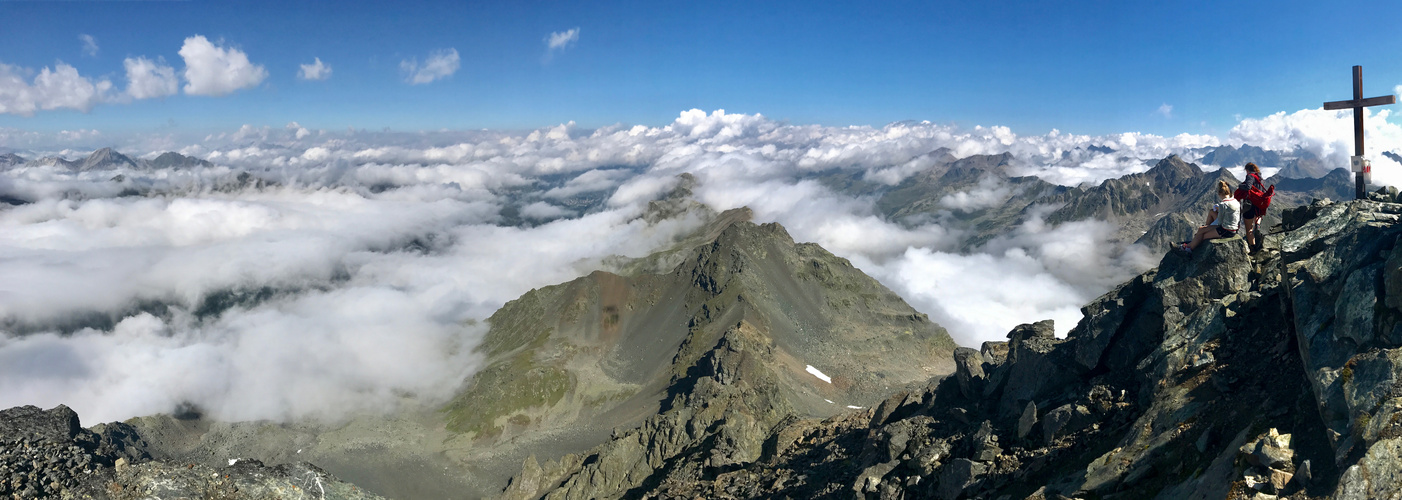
960	475
1044	329
985	443
1270	450
59	424
888	407
994	352
1378	475
1392	278
1103	318
1027	420
968	370
1035	370
869	481
930	456
1056	420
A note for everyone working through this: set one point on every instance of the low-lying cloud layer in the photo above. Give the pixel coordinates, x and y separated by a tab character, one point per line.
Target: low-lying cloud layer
358	273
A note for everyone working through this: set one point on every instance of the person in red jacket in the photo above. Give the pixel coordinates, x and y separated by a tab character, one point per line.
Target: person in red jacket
1250	214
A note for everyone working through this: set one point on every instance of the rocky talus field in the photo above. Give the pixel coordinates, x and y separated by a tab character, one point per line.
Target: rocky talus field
1215	375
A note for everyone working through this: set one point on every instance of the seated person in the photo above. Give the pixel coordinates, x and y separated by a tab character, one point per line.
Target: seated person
1222	220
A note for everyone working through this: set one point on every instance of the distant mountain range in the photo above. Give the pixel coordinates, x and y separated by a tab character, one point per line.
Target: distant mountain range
107	159
1165	203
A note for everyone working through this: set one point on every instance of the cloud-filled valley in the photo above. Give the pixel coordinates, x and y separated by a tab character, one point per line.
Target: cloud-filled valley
307	273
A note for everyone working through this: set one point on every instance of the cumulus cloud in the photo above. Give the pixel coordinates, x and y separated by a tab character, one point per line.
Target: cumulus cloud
89	45
60	87
1165	110
149	79
439	65
215	70
1328	135
560	40
317	70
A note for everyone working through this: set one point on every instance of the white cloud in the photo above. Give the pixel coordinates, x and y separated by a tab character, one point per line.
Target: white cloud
1165	110
58	88
1328	135
544	211
89	45
315	71
213	70
988	193
440	64
149	79
369	236
298	131
562	39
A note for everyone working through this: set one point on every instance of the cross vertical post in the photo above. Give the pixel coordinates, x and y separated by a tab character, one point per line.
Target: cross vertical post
1358	103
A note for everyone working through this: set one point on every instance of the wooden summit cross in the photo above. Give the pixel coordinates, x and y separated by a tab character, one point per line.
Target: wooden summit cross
1358	103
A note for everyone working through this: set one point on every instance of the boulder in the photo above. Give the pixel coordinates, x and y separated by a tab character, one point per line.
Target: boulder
1056	420
1027	420
1035	369
1378	475
1270	450
59	424
985	443
960	475
1104	318
968	370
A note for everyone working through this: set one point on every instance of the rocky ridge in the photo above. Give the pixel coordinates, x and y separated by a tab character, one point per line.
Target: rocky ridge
1214	375
48	454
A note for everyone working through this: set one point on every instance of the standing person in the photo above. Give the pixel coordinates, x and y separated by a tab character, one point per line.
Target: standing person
1250	214
1222	220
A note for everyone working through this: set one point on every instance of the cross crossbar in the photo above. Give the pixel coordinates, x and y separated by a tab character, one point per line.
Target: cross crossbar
1361	103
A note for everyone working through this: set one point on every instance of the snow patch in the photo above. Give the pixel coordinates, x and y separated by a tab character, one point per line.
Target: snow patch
816	373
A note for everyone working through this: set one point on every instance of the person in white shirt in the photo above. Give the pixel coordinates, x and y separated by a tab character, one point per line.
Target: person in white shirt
1222	220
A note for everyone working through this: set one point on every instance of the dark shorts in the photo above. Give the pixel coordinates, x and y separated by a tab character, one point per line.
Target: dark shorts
1225	233
1249	211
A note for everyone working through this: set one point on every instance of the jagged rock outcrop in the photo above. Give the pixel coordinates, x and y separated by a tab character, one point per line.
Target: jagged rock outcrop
1215	375
48	454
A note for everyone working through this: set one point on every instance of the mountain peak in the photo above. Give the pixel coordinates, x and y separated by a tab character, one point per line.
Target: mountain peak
104	159
1174	167
10	160
175	160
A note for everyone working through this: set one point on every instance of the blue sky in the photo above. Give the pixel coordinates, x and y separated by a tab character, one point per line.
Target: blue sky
1081	67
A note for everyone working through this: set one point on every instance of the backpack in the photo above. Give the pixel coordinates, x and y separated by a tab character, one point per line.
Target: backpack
1250	192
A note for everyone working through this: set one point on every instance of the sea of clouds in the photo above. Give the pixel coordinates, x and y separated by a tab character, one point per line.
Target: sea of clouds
360	279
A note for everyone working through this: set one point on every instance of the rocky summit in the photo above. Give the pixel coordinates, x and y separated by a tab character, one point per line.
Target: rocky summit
1214	375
